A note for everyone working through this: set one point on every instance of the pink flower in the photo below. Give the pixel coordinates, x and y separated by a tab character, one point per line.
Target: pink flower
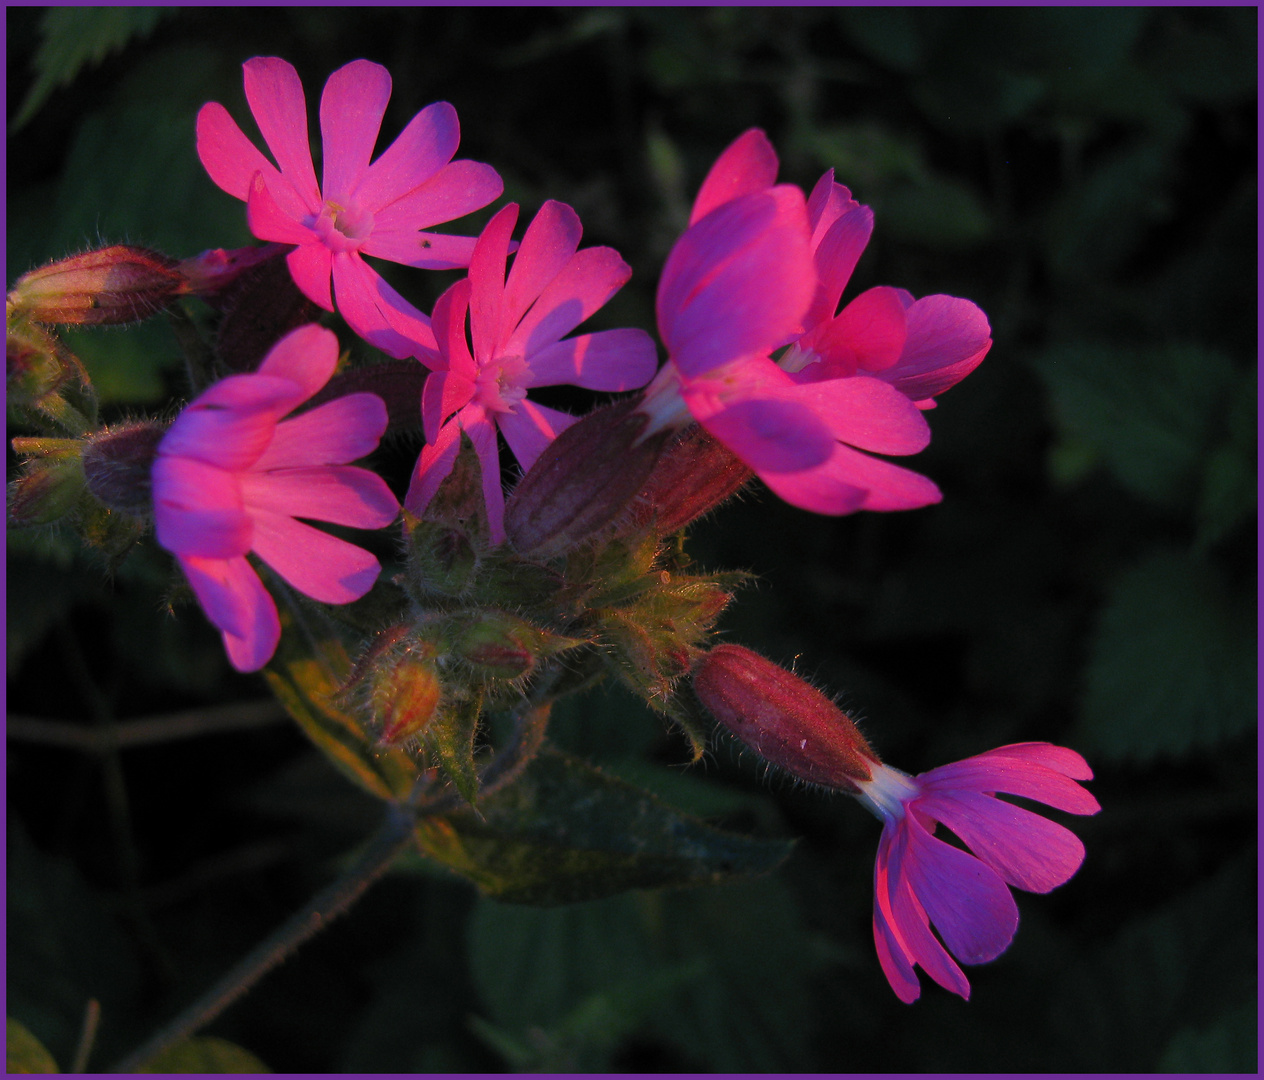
516	325
231	477
379	209
761	268
920	880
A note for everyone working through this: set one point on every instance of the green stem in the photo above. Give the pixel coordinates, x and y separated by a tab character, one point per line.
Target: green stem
394	835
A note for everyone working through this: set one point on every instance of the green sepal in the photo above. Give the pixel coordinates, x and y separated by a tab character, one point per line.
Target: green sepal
451	734
308	676
564	831
24	1053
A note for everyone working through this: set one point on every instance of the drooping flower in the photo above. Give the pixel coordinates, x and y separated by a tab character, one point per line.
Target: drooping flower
231	477
919	880
746	280
516	326
385	209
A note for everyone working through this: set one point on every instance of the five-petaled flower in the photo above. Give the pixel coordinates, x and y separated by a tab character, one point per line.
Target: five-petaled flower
920	880
761	268
383	209
515	342
231	477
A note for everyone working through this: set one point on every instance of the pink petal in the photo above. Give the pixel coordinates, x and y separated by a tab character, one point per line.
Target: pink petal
737	282
827	202
232	422
276	99
487	284
341	494
198	509
771	434
409	323
894	956
335	433
836	255
867	413
550	241
849	481
424	147
964	898
443	393
425	250
749	164
910	919
1057	758
482	433
606	360
1013	777
306	356
450	313
351	110
530	428
310	266
433	467
867	335
1028	851
459	188
947	339
588	280
231	160
315	563
238	605
364	300
266	218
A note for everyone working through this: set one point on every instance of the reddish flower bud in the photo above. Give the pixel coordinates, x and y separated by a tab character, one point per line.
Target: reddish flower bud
407	696
116	284
503	646
117	463
583	482
695	473
208	275
782	718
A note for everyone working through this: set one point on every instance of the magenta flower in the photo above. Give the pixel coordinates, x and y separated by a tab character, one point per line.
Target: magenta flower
515	343
920	880
231	477
747	279
384	209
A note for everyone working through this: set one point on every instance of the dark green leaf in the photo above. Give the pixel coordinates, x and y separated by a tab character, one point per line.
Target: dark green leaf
565	831
1173	663
24	1053
1150	413
205	1054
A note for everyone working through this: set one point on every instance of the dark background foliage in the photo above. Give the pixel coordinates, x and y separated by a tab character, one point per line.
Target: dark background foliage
1087	176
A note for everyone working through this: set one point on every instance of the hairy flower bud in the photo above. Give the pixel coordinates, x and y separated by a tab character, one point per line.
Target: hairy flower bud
502	646
583	482
695	473
407	696
51	484
782	718
117	463
115	284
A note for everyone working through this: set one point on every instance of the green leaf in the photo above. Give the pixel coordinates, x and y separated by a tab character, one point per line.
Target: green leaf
308	674
1229	494
938	211
1149	413
76	37
451	733
1230	1045
1173	663
24	1053
565	831
205	1054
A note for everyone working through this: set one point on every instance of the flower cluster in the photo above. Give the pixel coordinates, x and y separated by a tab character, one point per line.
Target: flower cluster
764	374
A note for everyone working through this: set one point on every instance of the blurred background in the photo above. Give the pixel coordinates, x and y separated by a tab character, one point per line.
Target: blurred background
1087	176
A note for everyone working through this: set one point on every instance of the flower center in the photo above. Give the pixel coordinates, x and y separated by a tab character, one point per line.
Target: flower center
795	359
342	228
887	792
501	383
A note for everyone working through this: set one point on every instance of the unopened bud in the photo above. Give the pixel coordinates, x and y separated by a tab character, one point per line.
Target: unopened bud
583	482
694	475
51	484
401	686
117	463
502	646
116	284
43	377
208	275
782	718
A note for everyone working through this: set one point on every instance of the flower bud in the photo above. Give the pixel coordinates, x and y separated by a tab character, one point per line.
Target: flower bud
782	718
695	473
502	646
407	698
51	484
583	482
117	463
116	284
212	273
45	378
